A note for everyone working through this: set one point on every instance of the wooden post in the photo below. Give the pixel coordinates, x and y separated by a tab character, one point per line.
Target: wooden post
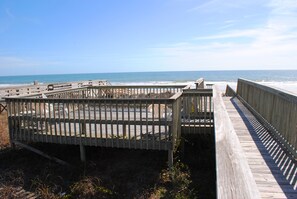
170	158
124	131
82	153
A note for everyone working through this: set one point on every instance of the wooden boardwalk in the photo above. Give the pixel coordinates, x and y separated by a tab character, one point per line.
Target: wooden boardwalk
273	170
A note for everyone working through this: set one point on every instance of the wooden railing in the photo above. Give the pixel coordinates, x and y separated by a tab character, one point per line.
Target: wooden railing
197	110
229	91
233	174
34	89
118	92
147	123
78	84
140	117
277	110
199	83
40	88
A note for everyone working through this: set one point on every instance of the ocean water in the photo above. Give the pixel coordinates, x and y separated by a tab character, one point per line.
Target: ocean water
270	77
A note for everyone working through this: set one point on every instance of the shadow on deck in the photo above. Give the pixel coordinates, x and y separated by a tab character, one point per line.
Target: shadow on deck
281	164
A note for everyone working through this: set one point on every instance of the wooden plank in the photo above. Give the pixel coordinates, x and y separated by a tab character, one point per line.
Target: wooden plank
234	177
274	108
272	169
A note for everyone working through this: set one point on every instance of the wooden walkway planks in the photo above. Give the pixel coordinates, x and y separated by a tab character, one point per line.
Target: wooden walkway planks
234	176
274	171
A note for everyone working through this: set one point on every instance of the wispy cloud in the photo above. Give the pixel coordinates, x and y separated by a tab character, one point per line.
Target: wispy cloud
271	45
232	34
9	13
220	6
283	6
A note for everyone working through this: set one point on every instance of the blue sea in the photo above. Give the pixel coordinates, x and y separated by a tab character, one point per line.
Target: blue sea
278	77
154	77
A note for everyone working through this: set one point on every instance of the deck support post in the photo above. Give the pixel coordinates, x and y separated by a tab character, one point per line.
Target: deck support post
170	158
82	153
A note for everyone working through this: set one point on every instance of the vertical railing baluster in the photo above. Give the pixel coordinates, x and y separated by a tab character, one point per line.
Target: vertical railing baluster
100	122
55	122
95	122
35	132
59	121
117	123
46	127
64	121
74	121
166	119
135	128
129	130
124	124
153	125
80	127
111	123
50	119
160	117
141	125
105	118
40	131
90	132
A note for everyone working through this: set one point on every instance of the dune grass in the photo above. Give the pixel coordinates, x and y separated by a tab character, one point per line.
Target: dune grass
108	173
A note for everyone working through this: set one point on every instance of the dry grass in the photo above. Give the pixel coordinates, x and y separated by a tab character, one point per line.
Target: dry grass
174	183
90	187
10	181
109	173
4	135
8	192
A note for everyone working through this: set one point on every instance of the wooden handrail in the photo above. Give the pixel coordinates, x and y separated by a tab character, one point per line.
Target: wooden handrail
39	88
229	91
234	177
199	83
275	109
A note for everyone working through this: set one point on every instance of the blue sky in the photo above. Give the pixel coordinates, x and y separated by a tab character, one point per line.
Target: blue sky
76	36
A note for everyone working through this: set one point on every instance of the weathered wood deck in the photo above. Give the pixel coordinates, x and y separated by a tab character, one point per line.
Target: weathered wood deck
273	170
139	117
254	159
40	88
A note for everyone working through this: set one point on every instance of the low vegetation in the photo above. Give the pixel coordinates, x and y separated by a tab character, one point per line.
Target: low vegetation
109	173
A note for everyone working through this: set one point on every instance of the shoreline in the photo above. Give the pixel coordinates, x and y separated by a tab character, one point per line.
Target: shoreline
288	86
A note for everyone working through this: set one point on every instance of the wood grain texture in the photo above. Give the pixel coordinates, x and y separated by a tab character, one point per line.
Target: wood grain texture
275	107
234	177
273	170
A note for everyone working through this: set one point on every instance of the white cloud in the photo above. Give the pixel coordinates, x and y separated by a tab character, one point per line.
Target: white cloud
270	46
217	6
232	34
283	6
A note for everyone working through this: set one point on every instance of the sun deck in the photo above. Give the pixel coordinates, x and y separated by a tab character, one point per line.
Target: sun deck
255	151
140	117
